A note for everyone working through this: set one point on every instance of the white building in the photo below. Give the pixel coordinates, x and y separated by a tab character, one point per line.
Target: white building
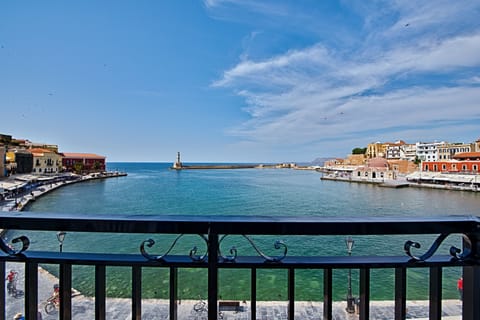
428	151
408	152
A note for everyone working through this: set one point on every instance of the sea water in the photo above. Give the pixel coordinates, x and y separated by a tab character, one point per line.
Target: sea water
151	188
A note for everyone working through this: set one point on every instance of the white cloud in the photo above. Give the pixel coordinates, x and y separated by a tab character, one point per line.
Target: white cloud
321	93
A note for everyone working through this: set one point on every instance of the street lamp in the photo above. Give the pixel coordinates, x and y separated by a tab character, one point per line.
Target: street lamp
61	237
350	299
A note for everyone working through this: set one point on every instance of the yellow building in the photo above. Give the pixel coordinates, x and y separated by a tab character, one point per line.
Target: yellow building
376	150
45	161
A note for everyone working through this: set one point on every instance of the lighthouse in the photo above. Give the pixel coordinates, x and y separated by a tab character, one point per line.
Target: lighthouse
178	163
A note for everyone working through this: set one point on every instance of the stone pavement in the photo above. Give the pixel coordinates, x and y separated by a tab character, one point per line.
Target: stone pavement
119	308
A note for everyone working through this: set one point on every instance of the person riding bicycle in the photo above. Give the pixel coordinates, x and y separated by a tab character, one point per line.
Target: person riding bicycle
56	293
11	277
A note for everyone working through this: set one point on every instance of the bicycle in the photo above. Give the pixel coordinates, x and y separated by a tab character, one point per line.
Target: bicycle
52	304
201	309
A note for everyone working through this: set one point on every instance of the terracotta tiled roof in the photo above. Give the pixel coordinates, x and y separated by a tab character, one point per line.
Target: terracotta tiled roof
464	155
74	155
39	151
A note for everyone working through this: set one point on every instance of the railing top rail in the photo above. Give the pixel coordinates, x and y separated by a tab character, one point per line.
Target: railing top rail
223	224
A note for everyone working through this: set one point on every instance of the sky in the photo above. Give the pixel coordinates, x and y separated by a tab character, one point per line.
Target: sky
238	81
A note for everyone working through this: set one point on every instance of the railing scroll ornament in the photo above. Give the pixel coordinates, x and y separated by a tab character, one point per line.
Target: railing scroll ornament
279	244
161	258
454	251
10	250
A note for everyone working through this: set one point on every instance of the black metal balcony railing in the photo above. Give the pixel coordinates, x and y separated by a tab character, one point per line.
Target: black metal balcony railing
213	229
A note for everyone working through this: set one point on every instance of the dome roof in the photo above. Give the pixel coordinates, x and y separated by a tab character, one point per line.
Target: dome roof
377	163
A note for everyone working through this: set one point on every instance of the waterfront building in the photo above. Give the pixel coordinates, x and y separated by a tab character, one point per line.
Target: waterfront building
19	160
402	166
393	150
38	145
375	149
82	162
428	151
45	161
408	151
4	141
376	170
446	151
468	162
476	146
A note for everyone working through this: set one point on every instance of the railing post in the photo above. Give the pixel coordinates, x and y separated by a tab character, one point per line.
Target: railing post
327	294
173	293
400	293
136	292
100	294
435	293
253	294
291	293
212	275
31	290
364	294
471	279
65	291
471	293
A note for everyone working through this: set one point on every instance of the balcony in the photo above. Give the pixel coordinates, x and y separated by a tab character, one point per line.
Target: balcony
213	232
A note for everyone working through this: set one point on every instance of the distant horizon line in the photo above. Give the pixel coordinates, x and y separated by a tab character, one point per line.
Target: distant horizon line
246	162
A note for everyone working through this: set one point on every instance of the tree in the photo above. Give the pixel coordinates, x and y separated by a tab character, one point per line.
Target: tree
78	167
359	151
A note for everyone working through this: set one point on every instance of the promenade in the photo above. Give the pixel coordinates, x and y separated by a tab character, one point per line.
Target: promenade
18	203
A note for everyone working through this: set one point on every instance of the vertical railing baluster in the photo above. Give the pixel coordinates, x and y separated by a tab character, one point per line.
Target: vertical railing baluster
136	293
31	290
327	294
212	275
400	293
253	294
2	291
173	293
471	293
435	306
100	292
364	293
65	291
291	293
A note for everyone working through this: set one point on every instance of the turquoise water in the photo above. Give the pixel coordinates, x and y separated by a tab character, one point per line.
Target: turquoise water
150	188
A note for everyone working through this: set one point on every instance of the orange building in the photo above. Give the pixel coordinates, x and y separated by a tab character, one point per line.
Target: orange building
467	162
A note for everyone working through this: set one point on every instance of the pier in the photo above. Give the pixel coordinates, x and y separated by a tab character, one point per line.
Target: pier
178	165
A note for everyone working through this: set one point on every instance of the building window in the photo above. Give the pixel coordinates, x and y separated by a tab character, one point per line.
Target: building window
475	168
426	167
435	168
464	167
444	167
